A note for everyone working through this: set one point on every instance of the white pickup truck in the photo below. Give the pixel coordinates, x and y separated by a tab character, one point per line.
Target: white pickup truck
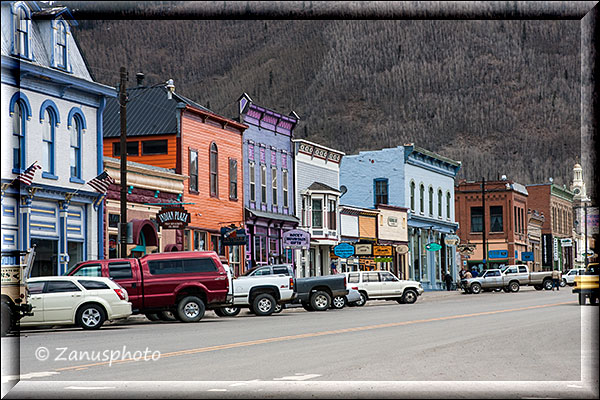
510	278
260	293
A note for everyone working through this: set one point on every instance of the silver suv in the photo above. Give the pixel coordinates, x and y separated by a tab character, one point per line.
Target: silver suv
383	285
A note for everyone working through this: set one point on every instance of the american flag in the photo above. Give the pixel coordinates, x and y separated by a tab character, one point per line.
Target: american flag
101	182
27	176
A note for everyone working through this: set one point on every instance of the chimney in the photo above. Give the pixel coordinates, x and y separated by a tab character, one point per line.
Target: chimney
140	78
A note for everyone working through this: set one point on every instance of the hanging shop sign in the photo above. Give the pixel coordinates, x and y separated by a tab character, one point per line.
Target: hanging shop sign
173	217
527	256
233	236
363	249
452	240
382	251
344	250
296	239
402	249
466	249
566	242
384	259
433	246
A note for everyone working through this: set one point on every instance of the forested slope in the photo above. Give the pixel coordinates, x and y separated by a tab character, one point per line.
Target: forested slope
501	96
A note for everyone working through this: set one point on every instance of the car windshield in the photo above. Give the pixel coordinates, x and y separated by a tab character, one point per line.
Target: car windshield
73	268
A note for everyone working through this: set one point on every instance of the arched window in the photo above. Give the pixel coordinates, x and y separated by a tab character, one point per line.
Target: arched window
48	133
412	196
214	171
440	203
75	154
422	198
448	198
21	24
61	45
19	136
430	201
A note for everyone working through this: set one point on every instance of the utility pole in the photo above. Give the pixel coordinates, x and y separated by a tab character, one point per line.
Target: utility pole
485	255
123	157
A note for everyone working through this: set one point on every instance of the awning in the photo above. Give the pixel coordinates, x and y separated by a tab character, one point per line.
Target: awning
271	216
146	227
172	247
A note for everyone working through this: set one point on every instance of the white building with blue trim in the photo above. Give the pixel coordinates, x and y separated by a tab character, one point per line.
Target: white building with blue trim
51	114
420	180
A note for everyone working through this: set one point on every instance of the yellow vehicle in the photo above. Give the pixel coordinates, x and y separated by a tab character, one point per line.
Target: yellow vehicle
15	270
586	284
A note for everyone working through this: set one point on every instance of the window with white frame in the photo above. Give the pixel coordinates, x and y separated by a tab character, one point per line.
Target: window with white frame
332	216
48	131
440	196
448	199
60	56
21	24
422	198
19	134
412	196
263	183
317	213
274	185
284	185
430	201
252	173
75	154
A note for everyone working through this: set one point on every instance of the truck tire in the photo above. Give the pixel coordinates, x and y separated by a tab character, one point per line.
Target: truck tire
264	304
409	296
514	286
320	301
475	288
90	317
538	287
278	308
506	289
227	311
581	299
307	306
548	284
338	302
7	319
152	316
362	301
190	309
166	316
563	283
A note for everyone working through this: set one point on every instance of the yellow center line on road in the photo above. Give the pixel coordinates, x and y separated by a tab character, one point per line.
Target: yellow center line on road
315	334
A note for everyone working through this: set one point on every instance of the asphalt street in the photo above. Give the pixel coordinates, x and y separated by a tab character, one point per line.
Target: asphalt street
448	343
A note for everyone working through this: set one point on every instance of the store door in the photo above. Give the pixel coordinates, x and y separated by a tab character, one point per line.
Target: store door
46	257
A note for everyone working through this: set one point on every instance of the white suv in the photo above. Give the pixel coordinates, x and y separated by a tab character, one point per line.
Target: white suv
75	300
569	277
383	285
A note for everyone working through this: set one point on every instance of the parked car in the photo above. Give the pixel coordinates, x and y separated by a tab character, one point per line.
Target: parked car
315	293
587	285
569	277
353	296
84	301
509	278
383	285
160	285
519	275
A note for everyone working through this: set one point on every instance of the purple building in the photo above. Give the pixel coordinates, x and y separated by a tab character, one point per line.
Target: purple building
268	181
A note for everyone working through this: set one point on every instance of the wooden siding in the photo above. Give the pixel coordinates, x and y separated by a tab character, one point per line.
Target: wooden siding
215	212
168	160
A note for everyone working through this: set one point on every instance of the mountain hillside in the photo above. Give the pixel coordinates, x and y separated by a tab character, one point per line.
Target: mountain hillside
501	96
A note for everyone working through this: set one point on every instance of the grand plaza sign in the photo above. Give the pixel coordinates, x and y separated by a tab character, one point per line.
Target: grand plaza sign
173	217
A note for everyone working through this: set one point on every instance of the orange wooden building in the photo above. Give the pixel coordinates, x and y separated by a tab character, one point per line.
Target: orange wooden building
181	135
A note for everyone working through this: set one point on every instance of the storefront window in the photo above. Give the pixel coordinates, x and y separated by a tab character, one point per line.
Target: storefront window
273	250
75	250
113	241
438	258
424	269
46	259
199	240
234	259
415	271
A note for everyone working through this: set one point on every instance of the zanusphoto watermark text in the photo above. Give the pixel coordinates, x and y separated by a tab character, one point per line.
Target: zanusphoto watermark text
118	355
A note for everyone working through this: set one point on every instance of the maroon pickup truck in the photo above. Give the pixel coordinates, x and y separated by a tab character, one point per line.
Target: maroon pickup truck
166	285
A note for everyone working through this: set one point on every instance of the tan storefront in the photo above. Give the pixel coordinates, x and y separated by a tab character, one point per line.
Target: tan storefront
392	237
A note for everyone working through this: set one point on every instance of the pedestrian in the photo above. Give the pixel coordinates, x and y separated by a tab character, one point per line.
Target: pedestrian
333	268
474	272
448	279
556	276
468	275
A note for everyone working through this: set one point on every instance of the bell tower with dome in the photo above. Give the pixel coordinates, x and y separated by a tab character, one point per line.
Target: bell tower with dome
578	185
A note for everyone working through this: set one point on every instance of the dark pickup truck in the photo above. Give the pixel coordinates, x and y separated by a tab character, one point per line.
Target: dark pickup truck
316	293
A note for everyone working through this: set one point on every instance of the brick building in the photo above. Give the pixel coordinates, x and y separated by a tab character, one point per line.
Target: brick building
503	219
556	203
